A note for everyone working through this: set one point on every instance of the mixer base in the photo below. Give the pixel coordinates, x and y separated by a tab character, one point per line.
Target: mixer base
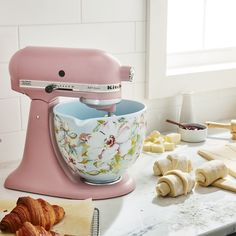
72	190
40	172
101	183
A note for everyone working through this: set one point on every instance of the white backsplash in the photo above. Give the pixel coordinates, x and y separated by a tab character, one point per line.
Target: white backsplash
115	26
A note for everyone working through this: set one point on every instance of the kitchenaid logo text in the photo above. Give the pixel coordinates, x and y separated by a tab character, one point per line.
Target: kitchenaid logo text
113	87
109	87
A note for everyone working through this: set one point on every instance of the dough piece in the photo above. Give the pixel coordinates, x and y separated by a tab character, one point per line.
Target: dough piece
175	183
225	184
157	148
225	153
159	140
172	162
210	171
161	166
169	146
173	138
147	146
152	136
180	163
213	173
157	143
153	147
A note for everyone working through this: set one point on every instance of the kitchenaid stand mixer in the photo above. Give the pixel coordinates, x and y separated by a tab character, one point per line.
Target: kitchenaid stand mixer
44	74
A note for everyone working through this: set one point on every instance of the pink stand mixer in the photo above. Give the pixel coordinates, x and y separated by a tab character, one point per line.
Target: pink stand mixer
44	74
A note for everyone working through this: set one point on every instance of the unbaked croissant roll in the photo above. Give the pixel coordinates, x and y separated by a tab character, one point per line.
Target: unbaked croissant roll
36	211
210	171
31	230
175	183
172	162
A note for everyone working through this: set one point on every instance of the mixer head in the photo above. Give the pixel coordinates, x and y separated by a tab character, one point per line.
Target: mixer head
92	75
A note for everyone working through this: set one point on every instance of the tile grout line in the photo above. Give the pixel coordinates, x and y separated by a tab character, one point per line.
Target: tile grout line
18	36
81	11
76	23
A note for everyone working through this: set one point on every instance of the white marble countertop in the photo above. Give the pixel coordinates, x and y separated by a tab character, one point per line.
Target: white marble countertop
206	211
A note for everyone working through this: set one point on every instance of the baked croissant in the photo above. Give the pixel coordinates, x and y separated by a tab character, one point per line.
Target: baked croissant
37	211
31	230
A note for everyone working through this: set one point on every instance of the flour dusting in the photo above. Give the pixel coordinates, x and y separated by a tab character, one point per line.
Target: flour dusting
202	214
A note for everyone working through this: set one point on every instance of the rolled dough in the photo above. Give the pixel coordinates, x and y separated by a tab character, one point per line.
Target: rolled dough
225	153
172	162
175	183
214	173
210	171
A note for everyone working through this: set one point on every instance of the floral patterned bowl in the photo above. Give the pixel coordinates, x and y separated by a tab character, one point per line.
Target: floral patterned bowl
96	147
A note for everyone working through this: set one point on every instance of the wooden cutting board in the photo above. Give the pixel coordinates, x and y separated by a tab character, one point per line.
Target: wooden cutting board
77	220
225	153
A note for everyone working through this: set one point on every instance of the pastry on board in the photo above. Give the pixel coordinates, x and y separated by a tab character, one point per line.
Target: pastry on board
36	211
29	229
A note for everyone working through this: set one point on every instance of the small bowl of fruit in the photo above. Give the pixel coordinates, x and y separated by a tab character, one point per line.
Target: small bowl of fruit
193	132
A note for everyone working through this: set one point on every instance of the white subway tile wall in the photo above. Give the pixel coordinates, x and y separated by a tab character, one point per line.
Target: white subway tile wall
140	41
114	37
10	115
5	83
118	27
113	11
11	145
8	42
34	12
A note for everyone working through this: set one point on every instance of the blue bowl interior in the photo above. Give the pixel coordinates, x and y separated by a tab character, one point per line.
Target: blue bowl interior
81	111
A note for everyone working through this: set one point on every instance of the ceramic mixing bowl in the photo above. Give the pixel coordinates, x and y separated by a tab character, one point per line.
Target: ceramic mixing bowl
97	147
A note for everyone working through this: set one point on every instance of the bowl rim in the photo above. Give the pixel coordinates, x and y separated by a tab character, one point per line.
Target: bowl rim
202	125
55	112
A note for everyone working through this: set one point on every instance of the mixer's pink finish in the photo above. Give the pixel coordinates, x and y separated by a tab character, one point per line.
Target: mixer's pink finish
39	171
89	66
